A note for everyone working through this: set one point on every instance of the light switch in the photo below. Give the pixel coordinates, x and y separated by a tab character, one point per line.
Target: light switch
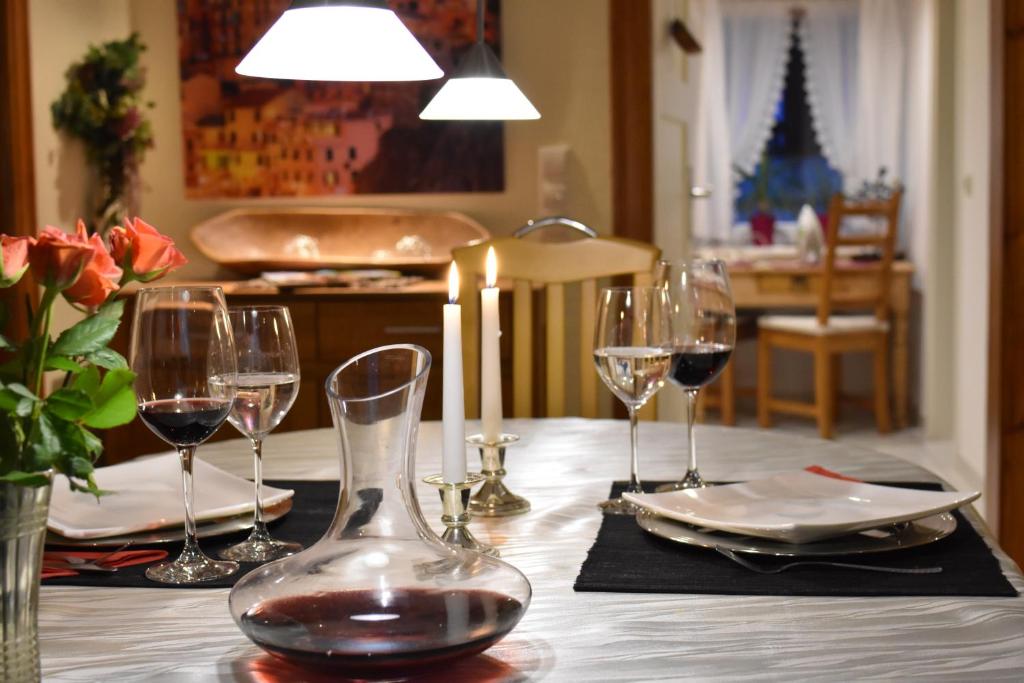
552	179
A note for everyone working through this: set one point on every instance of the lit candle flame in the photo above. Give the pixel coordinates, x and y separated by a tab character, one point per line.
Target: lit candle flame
453	284
491	268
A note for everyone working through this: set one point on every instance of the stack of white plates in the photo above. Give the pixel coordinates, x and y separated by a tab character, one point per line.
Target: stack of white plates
801	513
145	505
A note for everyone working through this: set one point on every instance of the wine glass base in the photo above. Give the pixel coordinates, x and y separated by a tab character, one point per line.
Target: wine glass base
191	570
617	506
691	480
262	550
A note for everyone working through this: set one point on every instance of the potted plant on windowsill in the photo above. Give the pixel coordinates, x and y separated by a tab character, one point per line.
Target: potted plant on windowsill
43	435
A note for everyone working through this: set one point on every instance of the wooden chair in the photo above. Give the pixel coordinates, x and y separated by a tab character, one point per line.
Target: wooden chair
551	266
827	336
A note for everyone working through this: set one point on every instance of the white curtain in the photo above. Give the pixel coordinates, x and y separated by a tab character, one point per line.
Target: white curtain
871	70
745	49
829	40
712	156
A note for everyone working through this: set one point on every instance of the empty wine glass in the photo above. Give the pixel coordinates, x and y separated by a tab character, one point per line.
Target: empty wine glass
264	388
632	352
181	338
703	336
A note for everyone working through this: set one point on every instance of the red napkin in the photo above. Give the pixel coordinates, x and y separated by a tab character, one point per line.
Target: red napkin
818	469
55	563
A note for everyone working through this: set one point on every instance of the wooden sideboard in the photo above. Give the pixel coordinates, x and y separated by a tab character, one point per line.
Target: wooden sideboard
331	325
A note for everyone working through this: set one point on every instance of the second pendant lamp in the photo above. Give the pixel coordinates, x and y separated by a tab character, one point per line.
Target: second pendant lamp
480	90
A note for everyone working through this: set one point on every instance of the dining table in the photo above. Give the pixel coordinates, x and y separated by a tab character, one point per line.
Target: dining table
564	466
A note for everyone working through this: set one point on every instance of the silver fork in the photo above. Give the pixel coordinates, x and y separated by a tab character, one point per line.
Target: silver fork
823	563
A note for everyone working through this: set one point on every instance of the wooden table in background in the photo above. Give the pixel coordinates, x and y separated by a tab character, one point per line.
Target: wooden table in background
789	284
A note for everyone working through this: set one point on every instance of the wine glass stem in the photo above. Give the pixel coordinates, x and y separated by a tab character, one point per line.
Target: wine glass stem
634	462
187	455
258	526
691	416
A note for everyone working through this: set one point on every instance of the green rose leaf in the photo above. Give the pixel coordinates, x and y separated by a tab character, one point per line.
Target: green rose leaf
63	363
93	443
112	309
88	381
107	358
44	445
19	478
115	401
69	403
16	398
88	335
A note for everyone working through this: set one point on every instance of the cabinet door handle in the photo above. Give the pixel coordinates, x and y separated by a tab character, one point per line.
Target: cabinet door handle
412	329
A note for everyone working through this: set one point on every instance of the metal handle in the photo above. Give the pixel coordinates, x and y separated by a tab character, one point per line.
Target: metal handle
548	221
699	192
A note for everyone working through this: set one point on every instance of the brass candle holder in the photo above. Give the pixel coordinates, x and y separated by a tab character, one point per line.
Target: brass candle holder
456	514
494	499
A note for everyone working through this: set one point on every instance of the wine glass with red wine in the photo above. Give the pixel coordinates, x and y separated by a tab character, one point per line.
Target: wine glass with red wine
703	336
181	342
632	353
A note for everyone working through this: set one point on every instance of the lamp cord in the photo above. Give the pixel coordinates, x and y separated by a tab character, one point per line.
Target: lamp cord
480	20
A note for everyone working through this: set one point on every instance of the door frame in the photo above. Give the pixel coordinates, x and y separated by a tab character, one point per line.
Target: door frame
17	169
632	95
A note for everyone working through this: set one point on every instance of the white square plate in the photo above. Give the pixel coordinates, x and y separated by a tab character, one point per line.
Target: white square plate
799	507
146	494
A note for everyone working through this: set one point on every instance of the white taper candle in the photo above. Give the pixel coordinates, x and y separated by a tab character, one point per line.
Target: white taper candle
453	415
490	353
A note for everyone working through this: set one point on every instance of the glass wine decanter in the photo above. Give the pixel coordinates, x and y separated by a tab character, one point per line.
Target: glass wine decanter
380	592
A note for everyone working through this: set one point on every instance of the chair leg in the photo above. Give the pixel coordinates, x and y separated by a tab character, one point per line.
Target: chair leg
883	415
824	391
764	380
837	382
727	395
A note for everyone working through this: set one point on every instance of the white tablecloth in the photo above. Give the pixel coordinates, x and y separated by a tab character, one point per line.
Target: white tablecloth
564	466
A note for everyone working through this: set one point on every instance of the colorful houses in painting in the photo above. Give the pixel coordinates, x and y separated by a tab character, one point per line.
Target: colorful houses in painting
248	137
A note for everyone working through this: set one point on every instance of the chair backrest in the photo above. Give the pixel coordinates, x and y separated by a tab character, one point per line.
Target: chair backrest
551	266
876	298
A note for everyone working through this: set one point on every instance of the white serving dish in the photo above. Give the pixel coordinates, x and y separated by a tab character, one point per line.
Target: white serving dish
146	494
799	507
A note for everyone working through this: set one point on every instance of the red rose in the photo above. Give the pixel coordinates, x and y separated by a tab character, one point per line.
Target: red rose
100	276
145	253
15	258
57	259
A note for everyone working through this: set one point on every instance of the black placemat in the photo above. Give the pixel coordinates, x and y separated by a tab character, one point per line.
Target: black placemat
626	559
311	514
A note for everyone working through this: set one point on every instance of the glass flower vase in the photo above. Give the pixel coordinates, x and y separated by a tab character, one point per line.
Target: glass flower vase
23	513
380	592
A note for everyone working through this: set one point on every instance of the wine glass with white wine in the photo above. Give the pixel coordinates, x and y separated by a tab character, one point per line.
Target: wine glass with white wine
633	353
264	390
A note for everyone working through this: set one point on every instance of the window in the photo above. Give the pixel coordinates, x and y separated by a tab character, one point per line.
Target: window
793	171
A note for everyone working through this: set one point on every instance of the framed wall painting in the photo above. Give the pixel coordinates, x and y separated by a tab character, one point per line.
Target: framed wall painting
253	137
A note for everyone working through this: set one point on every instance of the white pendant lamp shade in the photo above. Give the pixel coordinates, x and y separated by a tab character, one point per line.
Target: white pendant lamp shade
480	91
479	99
339	40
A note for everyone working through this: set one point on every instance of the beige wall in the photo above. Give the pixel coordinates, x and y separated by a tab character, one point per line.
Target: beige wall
60	33
957	383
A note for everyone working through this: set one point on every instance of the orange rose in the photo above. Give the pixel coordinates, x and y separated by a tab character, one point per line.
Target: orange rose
15	258
143	252
100	276
58	259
